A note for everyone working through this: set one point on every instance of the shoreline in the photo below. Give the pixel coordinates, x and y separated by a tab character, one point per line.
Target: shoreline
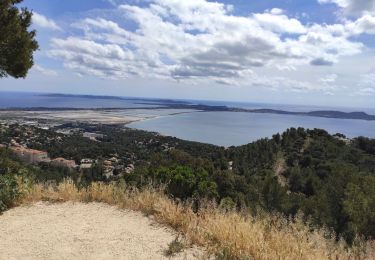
105	116
151	106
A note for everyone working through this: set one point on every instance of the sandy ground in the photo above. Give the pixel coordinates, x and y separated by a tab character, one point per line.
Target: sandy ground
92	116
83	231
123	116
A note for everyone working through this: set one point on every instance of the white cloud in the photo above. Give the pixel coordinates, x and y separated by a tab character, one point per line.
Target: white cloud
42	21
284	83
277	11
331	78
366	84
353	7
277	22
365	24
89	57
363	9
44	71
198	41
367	80
366	92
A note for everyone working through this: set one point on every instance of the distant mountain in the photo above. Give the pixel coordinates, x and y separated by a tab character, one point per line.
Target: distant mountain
146	100
339	114
82	96
320	113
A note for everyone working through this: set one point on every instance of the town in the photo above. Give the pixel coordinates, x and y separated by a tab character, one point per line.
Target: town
26	135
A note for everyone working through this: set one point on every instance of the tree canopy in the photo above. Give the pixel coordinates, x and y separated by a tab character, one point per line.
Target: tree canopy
329	180
17	43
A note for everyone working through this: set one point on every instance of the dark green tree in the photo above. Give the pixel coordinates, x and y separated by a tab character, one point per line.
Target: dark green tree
17	43
359	205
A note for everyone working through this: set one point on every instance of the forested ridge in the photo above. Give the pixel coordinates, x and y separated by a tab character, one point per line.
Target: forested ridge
329	179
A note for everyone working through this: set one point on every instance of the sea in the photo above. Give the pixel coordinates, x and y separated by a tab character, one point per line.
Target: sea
219	128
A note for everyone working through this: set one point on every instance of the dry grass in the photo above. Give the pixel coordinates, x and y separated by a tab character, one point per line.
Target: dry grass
226	235
175	247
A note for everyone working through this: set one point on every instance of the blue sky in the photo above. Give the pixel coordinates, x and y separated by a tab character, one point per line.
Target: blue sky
315	52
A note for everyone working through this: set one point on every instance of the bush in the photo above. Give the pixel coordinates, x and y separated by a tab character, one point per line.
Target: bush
175	247
8	191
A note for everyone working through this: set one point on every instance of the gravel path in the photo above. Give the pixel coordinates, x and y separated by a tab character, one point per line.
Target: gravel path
83	231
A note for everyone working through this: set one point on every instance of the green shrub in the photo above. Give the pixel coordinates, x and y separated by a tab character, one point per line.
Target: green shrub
8	191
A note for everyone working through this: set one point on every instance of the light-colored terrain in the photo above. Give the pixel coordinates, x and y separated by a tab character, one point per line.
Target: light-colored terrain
92	116
83	231
109	116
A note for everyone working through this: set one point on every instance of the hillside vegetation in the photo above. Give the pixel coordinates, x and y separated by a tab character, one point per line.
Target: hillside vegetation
308	176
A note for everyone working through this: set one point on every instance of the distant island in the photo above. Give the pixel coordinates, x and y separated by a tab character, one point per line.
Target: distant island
321	113
318	113
153	100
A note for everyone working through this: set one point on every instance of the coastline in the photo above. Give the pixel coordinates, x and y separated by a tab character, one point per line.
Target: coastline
94	116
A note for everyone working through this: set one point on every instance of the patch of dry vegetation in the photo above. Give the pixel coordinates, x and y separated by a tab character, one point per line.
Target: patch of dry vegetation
175	247
228	235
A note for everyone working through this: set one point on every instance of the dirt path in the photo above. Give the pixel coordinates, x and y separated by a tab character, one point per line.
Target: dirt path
83	231
279	169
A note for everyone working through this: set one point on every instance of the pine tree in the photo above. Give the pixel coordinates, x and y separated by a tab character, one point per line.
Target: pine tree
17	43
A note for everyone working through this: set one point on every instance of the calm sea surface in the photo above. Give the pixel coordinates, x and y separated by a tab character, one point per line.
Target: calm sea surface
229	128
220	128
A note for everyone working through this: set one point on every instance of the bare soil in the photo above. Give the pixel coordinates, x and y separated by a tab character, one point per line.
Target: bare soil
84	231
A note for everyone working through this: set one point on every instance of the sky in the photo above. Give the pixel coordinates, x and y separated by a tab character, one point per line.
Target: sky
311	52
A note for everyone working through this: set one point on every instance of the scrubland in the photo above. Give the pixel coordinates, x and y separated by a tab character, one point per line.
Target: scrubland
226	234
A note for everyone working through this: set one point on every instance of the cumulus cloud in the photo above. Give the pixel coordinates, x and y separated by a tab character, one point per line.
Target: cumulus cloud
200	40
42	21
276	21
353	7
364	10
365	24
89	57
